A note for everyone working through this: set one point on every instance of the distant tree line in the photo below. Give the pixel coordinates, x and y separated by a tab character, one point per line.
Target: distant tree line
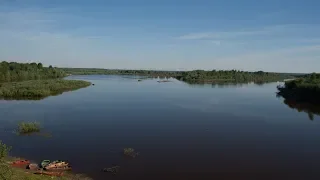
231	75
189	76
94	71
13	71
304	89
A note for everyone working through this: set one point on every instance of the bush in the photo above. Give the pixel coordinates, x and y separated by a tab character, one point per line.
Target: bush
130	152
4	150
28	127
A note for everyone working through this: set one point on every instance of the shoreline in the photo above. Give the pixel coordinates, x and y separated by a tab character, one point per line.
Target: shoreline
39	89
18	172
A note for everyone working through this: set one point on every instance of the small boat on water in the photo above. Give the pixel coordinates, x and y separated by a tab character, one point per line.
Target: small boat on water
44	163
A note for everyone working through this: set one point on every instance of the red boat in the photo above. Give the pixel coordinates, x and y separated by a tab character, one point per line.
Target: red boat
20	162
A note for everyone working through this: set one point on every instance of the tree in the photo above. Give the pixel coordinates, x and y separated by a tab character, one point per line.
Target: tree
40	66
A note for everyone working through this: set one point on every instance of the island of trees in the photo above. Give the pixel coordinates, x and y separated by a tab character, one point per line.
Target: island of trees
305	89
196	76
33	81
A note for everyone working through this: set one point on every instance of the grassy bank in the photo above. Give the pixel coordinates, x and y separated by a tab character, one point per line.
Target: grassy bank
9	172
38	89
305	89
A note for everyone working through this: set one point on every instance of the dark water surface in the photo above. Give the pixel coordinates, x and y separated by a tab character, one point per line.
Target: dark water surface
181	131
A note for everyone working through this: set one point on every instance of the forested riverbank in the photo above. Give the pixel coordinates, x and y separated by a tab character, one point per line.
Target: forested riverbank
33	81
196	76
13	71
303	89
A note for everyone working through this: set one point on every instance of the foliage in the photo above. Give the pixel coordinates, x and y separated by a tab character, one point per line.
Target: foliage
130	152
34	89
23	174
233	75
189	76
4	151
304	89
28	127
5	171
94	71
13	71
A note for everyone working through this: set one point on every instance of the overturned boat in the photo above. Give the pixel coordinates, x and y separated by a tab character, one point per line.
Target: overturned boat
44	163
58	164
33	166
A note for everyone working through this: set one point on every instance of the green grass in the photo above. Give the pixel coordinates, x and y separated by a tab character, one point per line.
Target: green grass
38	89
28	127
12	173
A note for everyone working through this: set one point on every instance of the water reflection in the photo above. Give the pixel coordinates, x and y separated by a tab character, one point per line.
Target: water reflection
225	84
308	108
30	98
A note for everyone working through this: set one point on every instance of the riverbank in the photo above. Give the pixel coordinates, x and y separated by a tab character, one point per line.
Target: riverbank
21	172
305	89
39	89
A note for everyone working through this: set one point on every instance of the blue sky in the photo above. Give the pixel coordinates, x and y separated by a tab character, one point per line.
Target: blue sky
268	35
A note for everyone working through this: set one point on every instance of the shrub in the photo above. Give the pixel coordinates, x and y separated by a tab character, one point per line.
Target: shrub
28	127
4	150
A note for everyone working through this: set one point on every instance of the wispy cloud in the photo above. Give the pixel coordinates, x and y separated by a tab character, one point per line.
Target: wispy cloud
245	33
221	35
41	35
281	60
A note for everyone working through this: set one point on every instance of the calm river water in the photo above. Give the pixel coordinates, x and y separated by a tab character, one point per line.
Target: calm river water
181	131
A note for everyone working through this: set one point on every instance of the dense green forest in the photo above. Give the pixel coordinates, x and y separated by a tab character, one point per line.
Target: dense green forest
233	75
304	89
13	71
93	71
33	81
190	76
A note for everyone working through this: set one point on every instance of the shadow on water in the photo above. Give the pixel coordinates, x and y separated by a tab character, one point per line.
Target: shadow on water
308	108
25	98
40	134
22	98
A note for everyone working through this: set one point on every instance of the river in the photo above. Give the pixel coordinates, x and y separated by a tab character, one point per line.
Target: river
181	131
